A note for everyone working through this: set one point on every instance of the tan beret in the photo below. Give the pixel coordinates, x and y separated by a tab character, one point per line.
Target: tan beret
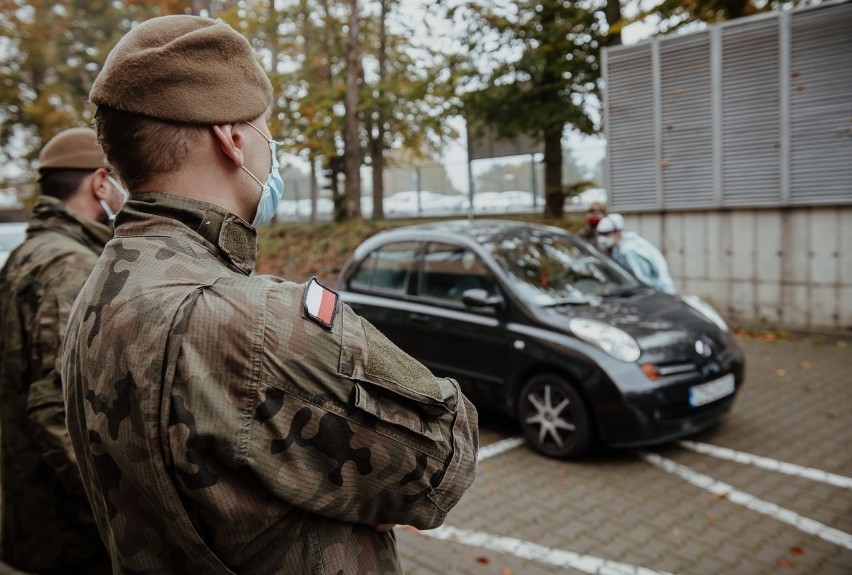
184	69
74	149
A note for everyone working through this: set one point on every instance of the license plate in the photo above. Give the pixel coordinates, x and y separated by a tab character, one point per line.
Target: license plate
711	391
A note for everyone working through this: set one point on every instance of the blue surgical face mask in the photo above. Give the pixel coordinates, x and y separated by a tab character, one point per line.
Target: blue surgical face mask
272	190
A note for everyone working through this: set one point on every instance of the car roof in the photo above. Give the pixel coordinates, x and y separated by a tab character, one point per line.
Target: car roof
476	231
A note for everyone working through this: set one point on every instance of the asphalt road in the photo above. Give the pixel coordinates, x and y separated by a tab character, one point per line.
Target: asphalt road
768	491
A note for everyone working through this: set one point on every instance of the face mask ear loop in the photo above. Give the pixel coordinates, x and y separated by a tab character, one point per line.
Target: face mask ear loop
110	214
253	177
125	195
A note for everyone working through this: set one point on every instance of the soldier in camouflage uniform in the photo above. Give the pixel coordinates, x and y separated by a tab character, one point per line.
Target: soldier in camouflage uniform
47	524
227	422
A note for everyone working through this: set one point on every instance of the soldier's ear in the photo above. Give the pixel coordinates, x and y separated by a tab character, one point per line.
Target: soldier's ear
231	142
98	184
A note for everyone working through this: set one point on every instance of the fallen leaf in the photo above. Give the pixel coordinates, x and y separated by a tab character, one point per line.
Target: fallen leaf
483	560
720	495
796	550
562	478
506	571
806	364
786	563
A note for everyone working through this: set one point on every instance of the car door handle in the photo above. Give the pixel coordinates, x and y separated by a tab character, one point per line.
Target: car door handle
418	317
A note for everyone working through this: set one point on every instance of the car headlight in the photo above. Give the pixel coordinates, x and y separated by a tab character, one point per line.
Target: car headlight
610	339
705	309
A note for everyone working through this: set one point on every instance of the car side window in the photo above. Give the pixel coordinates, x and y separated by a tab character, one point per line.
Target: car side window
387	269
450	270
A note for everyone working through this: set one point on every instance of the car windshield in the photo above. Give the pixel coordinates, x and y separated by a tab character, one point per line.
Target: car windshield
551	269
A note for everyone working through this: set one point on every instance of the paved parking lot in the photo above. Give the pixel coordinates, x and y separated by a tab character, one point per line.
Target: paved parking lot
767	491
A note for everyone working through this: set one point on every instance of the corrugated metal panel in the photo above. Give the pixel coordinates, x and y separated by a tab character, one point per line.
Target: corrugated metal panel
821	106
751	134
630	101
776	128
687	124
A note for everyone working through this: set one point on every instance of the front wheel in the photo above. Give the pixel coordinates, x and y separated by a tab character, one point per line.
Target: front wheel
555	418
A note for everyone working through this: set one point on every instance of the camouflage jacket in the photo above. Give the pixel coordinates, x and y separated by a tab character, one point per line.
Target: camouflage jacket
222	428
46	520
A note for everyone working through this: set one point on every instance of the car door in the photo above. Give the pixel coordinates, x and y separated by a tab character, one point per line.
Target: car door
380	290
469	344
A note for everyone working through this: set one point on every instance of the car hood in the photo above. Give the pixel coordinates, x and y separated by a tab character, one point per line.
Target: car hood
662	324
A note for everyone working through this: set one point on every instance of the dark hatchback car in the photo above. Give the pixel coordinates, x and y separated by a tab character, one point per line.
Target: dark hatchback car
534	321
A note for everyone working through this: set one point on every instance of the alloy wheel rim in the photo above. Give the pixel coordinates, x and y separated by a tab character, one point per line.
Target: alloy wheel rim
549	416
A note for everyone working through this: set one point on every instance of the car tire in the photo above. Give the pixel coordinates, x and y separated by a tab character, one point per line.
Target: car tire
555	418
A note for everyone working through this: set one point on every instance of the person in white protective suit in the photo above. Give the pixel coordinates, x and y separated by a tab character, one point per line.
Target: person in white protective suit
635	253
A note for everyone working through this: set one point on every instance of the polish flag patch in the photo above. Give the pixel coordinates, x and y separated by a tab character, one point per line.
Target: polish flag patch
320	303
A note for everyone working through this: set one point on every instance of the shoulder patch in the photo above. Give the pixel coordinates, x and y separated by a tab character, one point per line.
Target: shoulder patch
320	303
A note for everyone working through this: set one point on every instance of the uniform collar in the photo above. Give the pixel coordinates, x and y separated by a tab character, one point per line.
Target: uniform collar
52	214
225	235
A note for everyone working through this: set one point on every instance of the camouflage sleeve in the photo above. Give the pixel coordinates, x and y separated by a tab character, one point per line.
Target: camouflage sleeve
45	400
350	427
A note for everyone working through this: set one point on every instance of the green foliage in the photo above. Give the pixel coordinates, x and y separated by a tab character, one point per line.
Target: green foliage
550	64
674	14
534	64
404	94
50	55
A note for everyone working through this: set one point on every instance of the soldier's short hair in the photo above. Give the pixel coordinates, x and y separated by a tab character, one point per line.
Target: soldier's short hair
139	147
60	183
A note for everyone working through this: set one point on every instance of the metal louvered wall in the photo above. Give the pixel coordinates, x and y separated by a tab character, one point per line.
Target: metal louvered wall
632	125
686	121
820	82
752	113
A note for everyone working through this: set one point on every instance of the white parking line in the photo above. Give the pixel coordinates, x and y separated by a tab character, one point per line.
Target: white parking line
526	549
750	501
498	447
770	464
531	551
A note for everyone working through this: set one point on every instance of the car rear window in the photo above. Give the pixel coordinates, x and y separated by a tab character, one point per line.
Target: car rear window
387	269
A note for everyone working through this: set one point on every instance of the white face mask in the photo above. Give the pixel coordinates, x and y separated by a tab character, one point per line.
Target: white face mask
606	242
124	195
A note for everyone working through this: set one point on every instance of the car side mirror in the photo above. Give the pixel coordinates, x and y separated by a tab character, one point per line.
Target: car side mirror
481	298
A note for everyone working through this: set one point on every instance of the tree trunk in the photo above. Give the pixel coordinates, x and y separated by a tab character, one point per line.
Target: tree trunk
736	9
613	16
377	142
314	189
351	139
554	197
376	153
